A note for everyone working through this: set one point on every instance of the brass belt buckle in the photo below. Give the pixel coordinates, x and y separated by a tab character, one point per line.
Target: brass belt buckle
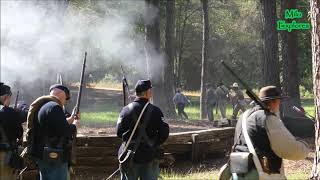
53	155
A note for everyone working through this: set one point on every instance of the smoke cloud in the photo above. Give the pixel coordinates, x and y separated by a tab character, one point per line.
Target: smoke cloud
42	38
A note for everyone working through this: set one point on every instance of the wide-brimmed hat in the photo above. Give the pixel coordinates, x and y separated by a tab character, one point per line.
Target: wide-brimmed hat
235	85
270	93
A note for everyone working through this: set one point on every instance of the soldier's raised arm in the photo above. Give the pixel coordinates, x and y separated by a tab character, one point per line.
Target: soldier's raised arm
283	143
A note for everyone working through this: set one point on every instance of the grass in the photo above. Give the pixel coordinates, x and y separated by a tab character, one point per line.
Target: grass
298	176
109	85
190	176
107	113
213	174
308	105
100	114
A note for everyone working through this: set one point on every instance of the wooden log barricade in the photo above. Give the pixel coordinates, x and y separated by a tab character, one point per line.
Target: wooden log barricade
98	154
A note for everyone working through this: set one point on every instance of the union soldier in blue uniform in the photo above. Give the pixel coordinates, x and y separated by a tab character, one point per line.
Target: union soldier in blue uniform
52	132
151	133
11	132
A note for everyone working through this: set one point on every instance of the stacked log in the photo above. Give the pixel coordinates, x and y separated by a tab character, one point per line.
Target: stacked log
98	155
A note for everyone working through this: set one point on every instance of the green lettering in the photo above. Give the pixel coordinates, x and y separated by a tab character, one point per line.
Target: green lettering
288	14
292	14
289	27
298	14
305	26
281	25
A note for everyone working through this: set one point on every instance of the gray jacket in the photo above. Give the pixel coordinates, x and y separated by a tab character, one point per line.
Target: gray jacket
180	98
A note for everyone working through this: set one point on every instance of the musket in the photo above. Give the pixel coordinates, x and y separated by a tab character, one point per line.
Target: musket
126	94
59	79
77	107
125	87
77	110
16	102
249	92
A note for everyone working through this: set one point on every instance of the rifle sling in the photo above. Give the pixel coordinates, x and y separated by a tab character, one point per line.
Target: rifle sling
142	134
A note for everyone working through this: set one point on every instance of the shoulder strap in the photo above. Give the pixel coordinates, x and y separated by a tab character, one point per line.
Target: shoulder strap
134	130
249	143
142	134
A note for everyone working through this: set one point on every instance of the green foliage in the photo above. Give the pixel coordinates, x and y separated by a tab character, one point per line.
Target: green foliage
110	78
305	93
235	37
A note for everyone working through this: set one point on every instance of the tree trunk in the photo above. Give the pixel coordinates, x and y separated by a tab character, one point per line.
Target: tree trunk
169	46
204	58
291	79
177	45
315	18
271	71
181	44
152	49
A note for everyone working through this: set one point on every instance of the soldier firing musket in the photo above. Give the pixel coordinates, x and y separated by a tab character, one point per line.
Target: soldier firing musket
51	135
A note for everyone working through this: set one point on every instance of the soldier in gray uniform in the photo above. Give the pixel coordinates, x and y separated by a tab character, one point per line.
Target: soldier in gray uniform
211	101
222	93
180	101
270	138
237	99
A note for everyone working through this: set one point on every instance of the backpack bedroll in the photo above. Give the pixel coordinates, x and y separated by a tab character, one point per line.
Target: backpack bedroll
34	108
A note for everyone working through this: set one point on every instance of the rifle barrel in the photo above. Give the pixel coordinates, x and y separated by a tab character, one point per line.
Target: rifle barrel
249	92
17	98
81	82
125	87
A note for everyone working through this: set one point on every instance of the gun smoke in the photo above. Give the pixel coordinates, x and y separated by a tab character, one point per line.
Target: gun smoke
42	38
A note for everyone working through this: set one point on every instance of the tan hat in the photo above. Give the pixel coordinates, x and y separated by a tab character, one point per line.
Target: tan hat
270	93
235	85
